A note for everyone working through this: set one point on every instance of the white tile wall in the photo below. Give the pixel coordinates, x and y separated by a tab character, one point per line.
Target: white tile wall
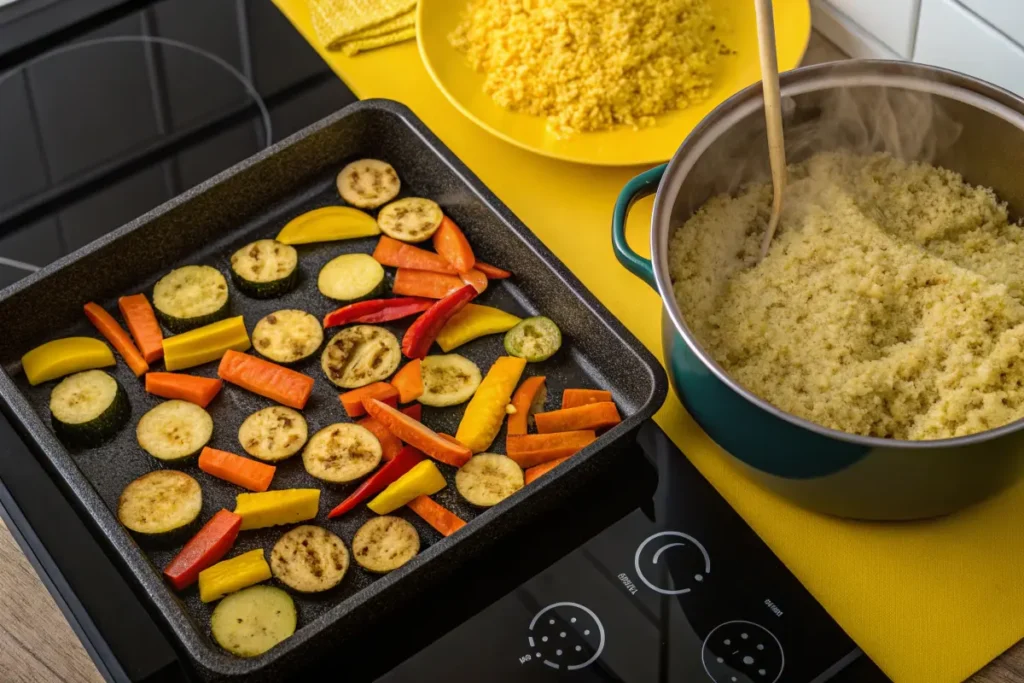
893	22
953	37
1005	15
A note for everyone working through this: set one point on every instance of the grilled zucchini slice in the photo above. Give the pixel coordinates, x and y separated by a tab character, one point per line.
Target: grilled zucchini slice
253	620
351	277
190	297
412	219
342	452
534	339
368	183
88	408
384	544
174	430
448	380
265	268
360	355
309	559
287	336
273	434
160	502
488	478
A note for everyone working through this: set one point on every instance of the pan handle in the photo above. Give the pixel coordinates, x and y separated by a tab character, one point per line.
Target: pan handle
644	184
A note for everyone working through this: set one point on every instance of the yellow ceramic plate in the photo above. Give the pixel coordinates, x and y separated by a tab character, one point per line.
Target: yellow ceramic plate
622	146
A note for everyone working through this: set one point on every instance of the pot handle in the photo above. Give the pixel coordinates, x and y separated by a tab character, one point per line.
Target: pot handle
644	184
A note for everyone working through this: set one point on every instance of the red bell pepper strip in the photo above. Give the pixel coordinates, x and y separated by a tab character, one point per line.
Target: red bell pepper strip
205	549
390	472
424	330
415	411
492	272
377	311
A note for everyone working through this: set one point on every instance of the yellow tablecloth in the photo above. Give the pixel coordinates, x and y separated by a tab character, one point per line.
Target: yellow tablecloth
929	602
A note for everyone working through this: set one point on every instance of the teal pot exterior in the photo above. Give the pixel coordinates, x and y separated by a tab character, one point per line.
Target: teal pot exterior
818	468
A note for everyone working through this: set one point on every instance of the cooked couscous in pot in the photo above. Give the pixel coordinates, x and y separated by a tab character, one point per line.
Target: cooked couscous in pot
891	303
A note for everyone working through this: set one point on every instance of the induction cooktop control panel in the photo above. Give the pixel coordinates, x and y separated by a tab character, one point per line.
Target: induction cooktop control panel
681	590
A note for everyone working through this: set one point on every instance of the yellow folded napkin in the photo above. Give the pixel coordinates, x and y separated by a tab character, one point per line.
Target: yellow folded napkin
354	47
339	21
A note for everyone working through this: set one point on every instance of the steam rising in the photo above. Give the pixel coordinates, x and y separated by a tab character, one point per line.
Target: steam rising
906	124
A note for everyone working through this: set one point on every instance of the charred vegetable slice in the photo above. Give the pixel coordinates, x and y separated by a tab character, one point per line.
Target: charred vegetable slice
174	430
309	559
265	269
488	478
287	336
88	408
368	183
448	380
412	219
160	502
190	297
534	339
253	620
342	452
273	434
384	544
351	277
360	355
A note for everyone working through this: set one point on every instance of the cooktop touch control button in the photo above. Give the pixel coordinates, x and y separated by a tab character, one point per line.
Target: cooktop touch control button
652	557
742	652
566	635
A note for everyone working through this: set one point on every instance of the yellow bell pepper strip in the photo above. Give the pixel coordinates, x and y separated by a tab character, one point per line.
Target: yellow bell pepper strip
424	479
472	322
233	575
259	510
65	356
328	224
205	344
486	410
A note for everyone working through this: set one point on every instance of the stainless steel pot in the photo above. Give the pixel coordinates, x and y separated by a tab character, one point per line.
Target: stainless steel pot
820	468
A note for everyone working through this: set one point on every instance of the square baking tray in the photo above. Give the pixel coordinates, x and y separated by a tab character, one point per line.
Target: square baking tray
254	200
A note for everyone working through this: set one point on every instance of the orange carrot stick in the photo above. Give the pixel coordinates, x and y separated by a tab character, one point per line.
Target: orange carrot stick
198	390
492	272
421	259
573	398
389	443
141	321
262	377
533	449
409	381
590	416
400	255
436	515
249	474
533	472
522	401
476	278
386	251
118	338
353	400
452	245
425	284
417	435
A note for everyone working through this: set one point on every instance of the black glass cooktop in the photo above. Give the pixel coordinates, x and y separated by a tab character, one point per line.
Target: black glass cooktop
109	108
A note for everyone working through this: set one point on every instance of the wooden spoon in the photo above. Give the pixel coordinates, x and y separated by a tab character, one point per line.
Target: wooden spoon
772	114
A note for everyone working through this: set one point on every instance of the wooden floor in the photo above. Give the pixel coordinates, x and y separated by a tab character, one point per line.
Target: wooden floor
36	643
